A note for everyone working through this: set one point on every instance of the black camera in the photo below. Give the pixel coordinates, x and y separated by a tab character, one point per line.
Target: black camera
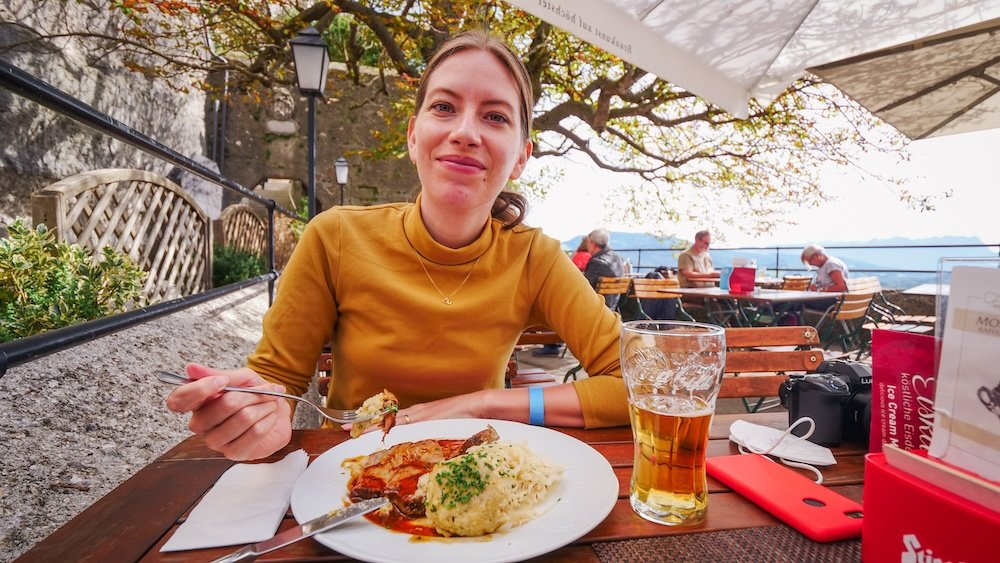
838	397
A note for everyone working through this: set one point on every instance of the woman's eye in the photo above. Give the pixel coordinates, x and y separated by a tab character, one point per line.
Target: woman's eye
441	106
497	117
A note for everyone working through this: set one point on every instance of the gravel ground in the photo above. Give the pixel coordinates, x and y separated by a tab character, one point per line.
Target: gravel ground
76	424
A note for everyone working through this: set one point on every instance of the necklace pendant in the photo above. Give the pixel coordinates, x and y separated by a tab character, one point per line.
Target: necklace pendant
447	301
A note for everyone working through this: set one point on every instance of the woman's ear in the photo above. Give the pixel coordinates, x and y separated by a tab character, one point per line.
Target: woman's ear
411	142
522	161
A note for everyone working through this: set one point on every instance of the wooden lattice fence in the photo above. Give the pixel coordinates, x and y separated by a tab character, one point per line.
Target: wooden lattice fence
243	230
139	213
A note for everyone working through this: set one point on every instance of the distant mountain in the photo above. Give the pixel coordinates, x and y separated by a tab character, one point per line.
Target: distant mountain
648	251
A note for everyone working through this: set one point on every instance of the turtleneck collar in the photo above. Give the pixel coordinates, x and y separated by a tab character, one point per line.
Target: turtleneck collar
425	245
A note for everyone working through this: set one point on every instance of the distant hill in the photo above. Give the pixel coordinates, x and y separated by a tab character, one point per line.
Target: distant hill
859	256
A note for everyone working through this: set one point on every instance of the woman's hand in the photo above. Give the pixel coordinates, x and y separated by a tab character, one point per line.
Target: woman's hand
469	405
241	426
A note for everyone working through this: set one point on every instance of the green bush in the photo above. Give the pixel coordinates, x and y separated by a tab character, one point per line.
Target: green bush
45	284
230	265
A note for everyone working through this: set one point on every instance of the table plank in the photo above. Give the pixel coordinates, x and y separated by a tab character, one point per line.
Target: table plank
123	524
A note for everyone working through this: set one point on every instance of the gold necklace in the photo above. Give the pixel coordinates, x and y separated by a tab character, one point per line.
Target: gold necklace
446	299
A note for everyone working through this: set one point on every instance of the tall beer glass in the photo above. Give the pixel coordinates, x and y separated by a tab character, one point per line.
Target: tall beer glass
673	372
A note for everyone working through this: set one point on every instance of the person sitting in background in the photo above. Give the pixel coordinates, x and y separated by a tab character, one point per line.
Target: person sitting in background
694	265
604	262
582	254
832	274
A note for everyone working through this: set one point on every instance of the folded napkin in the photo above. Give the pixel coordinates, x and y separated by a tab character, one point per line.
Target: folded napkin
246	505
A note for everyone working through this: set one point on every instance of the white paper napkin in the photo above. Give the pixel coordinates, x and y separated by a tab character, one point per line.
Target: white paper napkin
244	506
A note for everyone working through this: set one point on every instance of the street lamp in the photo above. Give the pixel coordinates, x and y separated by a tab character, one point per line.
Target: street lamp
342	169
312	61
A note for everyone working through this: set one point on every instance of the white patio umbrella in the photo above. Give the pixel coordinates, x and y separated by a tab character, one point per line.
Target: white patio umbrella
729	51
933	87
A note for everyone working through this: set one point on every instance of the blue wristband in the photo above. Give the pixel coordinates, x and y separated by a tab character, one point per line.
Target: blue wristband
536	406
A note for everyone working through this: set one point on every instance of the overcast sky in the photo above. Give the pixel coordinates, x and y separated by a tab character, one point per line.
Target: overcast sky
861	209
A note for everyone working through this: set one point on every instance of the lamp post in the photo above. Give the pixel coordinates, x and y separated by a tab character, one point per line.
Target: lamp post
342	169
312	61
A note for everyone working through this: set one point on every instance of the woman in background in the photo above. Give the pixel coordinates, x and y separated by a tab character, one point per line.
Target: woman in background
582	254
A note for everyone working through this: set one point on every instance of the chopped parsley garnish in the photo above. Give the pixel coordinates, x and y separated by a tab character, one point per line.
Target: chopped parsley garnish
461	481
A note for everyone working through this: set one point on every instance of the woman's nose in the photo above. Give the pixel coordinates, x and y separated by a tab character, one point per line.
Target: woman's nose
466	131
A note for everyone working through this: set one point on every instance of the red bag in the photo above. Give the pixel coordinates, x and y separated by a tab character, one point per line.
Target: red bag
742	280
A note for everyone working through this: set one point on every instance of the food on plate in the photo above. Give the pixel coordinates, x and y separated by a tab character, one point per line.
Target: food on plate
393	473
384	406
453	487
489	486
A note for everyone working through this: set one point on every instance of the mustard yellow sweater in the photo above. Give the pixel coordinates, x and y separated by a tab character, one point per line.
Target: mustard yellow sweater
354	279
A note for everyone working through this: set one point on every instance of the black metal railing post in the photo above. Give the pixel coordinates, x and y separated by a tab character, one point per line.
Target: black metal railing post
270	249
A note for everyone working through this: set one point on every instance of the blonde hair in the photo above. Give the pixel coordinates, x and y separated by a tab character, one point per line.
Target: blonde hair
812	250
509	207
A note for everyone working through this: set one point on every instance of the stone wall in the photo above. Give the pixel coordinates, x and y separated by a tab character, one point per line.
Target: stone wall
270	140
38	146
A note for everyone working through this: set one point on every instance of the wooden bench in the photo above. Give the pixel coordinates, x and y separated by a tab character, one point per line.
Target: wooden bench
759	359
531	336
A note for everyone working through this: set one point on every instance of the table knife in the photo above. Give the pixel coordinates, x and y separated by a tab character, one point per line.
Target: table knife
309	529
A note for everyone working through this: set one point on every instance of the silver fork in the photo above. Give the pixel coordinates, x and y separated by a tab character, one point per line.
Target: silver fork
336	415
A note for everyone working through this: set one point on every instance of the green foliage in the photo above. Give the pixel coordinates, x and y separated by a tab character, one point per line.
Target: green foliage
45	284
230	265
303	213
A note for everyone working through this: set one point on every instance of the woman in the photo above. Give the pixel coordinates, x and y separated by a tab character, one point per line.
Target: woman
426	299
582	254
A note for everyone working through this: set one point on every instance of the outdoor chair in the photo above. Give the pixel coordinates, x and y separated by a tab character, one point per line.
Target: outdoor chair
843	323
613	289
759	359
531	336
796	283
647	290
609	287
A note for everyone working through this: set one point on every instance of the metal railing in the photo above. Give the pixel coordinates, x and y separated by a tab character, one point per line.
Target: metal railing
784	260
22	350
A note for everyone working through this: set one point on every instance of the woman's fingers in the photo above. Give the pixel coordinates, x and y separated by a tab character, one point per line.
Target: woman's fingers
252	432
239	425
193	396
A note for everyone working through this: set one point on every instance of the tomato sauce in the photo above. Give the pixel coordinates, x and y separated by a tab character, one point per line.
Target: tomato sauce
413	469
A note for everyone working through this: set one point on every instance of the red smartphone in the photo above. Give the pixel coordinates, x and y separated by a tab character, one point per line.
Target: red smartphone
814	510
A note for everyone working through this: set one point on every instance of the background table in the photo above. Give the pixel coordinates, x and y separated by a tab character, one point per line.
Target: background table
746	309
134	520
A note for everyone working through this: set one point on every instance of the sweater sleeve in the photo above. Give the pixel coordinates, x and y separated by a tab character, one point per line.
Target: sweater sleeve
578	314
300	321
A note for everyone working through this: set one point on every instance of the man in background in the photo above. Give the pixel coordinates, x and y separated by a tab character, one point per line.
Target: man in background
694	265
604	262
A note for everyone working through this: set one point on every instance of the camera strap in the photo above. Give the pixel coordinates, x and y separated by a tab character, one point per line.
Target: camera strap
794	451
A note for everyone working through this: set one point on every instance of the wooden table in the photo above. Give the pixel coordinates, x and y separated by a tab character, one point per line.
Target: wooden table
746	309
134	520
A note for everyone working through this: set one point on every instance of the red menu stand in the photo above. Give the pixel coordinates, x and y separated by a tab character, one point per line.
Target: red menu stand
910	519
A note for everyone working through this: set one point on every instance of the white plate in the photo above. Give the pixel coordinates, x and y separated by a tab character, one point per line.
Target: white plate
583	497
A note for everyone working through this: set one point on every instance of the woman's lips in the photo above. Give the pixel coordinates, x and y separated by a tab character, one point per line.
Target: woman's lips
462	163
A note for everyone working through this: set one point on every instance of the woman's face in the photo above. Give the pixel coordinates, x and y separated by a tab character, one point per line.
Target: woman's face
466	138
